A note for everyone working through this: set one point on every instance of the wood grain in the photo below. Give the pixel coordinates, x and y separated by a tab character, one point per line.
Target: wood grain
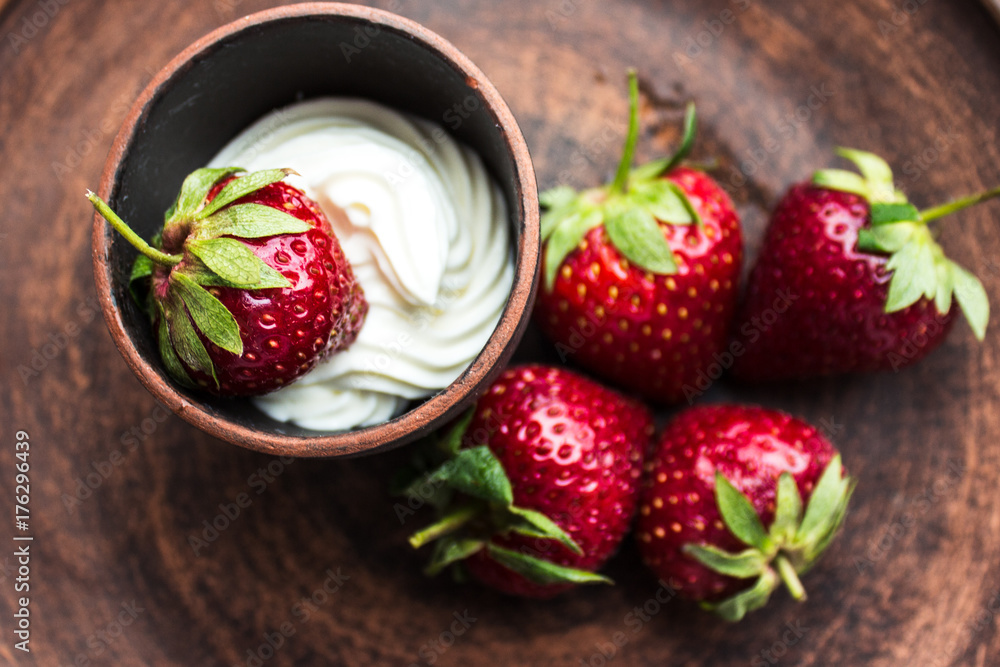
115	579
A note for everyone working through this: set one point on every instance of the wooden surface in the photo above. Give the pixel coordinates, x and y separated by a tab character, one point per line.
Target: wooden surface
114	579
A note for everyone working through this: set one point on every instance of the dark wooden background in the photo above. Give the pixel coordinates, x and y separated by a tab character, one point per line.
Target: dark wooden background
913	580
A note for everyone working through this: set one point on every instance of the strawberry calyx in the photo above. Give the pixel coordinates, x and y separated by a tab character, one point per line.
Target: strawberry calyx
920	268
796	538
630	207
199	247
472	495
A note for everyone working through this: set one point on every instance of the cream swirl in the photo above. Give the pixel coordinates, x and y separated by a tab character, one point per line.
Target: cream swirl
428	238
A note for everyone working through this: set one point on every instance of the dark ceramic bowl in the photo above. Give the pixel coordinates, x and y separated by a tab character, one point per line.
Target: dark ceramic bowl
233	76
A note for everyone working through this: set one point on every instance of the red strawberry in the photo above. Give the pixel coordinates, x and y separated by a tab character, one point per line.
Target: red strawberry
641	275
721	513
248	288
537	486
850	279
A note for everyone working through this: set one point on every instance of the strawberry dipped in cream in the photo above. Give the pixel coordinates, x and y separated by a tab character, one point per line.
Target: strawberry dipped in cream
426	233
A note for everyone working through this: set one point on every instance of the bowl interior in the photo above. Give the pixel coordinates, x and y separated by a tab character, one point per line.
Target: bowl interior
264	62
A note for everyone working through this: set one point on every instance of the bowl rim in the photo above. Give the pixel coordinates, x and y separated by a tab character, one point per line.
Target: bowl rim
447	403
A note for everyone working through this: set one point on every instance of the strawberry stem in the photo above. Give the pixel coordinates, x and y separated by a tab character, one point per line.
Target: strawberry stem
959	204
447	524
631	137
156	255
790	577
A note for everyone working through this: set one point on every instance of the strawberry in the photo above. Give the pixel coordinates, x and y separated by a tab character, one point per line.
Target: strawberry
850	279
721	512
537	486
641	276
246	286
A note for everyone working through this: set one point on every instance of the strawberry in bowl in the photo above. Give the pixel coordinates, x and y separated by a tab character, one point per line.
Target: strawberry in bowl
246	286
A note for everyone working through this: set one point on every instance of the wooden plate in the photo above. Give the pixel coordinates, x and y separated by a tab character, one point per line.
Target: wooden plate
314	569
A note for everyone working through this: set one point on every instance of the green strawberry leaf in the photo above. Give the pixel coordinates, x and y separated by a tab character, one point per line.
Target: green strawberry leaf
736	607
972	299
241	187
194	190
478	473
886	238
914	272
877	174
212	318
174	366
788	510
565	238
661	198
946	286
250	221
656	168
875	170
142	268
830	492
557	197
842	180
883	213
184	339
236	264
452	441
815	549
742	565
450	550
542	571
535	524
637	235
739	515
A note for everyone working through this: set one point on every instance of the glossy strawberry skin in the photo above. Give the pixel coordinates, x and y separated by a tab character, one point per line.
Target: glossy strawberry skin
815	305
751	447
572	450
287	331
650	334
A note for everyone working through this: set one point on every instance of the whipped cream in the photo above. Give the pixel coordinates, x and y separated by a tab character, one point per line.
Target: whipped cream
428	239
